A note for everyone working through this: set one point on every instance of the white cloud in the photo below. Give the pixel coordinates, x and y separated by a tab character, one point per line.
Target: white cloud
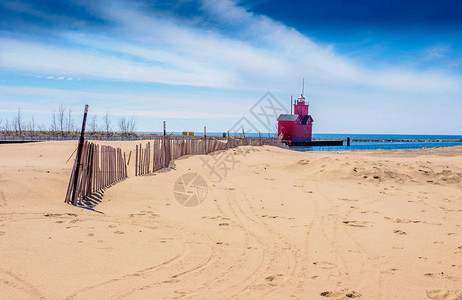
123	103
263	54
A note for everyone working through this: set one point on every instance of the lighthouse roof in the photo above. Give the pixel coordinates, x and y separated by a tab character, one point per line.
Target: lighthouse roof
287	117
306	118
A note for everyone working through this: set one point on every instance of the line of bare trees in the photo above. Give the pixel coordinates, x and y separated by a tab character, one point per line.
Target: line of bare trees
18	125
126	126
62	122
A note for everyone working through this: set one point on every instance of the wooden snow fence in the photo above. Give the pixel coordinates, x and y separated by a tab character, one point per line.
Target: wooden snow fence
154	156
100	167
158	154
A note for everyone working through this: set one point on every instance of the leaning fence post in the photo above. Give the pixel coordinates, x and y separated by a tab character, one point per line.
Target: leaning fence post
79	154
129	156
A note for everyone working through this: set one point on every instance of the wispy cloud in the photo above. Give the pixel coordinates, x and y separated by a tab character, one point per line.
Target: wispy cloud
158	49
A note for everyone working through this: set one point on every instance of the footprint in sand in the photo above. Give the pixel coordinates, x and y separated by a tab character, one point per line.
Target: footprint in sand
440	275
444	294
272	277
52	215
353	294
397	231
398	220
390	271
345	199
324	264
356	223
326	294
348	294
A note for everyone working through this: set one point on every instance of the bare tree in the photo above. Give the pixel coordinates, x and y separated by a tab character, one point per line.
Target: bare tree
127	126
70	125
17	122
32	124
41	127
92	124
123	125
132	124
107	122
53	126
6	126
61	112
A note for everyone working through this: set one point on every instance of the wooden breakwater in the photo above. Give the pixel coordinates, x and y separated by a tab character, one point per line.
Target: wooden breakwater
100	167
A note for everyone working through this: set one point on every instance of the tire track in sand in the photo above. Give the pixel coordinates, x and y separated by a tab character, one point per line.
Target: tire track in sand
14	281
224	284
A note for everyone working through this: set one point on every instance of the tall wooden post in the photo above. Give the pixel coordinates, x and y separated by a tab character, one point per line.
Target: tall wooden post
165	129
205	139
79	154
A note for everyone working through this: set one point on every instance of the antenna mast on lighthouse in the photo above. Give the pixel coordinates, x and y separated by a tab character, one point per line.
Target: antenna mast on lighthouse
303	86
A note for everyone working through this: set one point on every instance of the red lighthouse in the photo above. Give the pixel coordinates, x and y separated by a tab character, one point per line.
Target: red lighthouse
296	127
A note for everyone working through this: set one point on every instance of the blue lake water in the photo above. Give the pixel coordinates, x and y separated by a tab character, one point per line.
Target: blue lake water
430	140
342	135
380	145
366	145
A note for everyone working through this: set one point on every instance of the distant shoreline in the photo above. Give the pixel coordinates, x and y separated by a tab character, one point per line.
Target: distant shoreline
116	136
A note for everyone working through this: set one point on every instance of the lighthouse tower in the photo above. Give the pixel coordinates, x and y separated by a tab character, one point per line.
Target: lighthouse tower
296	127
300	108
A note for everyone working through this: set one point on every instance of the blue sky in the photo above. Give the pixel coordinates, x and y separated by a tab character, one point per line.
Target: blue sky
382	66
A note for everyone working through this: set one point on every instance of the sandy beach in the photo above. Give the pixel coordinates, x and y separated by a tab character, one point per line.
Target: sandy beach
278	224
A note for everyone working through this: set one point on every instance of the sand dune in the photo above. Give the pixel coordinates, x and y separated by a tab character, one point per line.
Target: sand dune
277	224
